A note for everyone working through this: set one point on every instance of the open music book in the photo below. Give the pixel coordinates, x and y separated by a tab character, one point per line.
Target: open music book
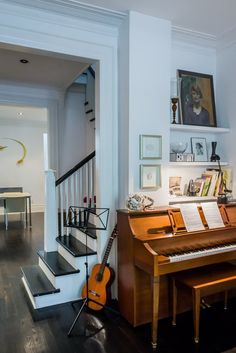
191	217
212	215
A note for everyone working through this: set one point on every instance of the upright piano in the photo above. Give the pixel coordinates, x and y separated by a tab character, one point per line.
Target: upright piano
155	243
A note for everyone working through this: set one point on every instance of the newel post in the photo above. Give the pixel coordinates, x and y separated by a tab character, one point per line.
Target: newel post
50	215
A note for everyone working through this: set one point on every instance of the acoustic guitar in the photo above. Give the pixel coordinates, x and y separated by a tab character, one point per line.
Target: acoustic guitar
100	280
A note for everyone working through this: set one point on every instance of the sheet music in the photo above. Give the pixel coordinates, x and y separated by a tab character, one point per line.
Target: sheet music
191	217
212	214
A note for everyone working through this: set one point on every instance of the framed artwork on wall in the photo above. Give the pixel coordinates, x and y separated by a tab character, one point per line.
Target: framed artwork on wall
199	148
197	99
150	146
150	176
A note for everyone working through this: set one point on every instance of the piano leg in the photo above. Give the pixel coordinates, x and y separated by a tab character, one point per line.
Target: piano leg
155	308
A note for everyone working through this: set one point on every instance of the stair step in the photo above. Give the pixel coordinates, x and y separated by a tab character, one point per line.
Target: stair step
74	246
90	232
37	281
56	263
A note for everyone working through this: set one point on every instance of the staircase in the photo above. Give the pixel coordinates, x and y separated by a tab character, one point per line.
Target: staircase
60	273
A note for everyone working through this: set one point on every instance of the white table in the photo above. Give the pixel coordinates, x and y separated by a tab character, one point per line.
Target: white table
16	195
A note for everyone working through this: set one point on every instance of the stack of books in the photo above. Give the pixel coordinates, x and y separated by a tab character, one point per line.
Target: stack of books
211	182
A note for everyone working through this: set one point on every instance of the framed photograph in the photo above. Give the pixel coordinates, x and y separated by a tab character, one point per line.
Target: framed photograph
199	148
150	146
150	176
197	100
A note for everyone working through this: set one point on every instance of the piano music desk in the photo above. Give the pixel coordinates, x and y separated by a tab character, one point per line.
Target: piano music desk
202	282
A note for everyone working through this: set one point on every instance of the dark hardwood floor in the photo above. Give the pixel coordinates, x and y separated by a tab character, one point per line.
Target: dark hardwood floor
24	330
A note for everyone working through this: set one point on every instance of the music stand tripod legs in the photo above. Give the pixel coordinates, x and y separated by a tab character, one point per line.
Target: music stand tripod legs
87	299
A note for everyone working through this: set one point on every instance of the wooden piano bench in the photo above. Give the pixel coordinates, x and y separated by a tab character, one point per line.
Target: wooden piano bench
202	282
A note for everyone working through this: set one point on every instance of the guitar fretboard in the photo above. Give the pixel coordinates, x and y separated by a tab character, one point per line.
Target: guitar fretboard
107	252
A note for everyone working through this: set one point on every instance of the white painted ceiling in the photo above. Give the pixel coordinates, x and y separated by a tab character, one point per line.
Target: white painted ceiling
42	69
213	17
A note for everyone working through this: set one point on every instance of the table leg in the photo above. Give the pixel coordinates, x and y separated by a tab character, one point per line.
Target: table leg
30	221
26	211
155	308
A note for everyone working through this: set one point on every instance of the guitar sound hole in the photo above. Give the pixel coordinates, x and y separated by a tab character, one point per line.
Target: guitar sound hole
99	277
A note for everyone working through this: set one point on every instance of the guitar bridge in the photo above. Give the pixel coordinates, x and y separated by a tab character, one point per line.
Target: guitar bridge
94	293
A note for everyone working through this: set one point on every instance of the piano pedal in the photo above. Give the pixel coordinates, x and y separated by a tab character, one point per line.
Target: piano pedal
205	304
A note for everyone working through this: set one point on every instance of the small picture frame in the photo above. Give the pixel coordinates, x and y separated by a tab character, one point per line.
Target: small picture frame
150	146
199	148
150	176
197	100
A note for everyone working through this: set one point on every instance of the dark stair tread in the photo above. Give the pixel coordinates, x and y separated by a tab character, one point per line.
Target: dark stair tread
37	281
74	246
56	263
90	230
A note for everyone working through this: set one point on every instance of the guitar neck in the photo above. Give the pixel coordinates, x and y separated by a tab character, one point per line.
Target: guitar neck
107	252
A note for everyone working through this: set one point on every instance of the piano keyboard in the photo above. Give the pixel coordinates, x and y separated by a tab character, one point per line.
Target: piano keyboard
202	252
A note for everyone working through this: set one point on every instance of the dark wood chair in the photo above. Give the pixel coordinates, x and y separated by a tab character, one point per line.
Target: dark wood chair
202	282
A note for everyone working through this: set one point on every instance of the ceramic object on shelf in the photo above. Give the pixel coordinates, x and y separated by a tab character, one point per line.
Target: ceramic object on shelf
178	147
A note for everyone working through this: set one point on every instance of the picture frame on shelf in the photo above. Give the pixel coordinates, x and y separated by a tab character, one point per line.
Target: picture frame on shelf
197	99
150	146
199	149
150	176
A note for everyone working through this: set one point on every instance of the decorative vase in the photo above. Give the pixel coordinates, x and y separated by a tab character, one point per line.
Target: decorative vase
214	156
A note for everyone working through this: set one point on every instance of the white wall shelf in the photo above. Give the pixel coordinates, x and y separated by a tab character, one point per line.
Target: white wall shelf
196	164
185	199
193	128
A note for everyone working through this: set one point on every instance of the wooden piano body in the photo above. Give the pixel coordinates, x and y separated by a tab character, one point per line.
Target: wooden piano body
145	241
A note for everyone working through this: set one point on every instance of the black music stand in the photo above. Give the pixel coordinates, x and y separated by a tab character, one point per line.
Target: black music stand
85	218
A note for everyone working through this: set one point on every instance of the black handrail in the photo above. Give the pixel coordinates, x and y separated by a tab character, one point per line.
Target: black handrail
75	168
92	72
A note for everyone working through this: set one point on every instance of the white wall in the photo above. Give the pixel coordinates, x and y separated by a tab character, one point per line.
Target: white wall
226	93
78	137
148	59
74	131
29	174
200	56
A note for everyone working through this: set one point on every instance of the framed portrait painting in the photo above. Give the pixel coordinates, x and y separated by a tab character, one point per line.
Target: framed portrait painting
197	101
199	149
150	176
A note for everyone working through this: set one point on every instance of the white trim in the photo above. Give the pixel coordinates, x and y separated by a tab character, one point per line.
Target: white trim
193	37
76	9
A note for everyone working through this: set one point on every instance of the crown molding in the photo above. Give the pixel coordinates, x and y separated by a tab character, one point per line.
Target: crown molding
227	39
74	8
193	37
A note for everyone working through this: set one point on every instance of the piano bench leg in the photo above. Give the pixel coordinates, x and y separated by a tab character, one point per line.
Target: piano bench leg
174	293
196	313
226	300
154	345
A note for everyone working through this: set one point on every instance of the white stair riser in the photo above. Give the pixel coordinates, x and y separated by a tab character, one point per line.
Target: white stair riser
43	301
64	281
47	272
91	243
76	262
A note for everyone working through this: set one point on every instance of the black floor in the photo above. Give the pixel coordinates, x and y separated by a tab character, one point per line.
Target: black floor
24	330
